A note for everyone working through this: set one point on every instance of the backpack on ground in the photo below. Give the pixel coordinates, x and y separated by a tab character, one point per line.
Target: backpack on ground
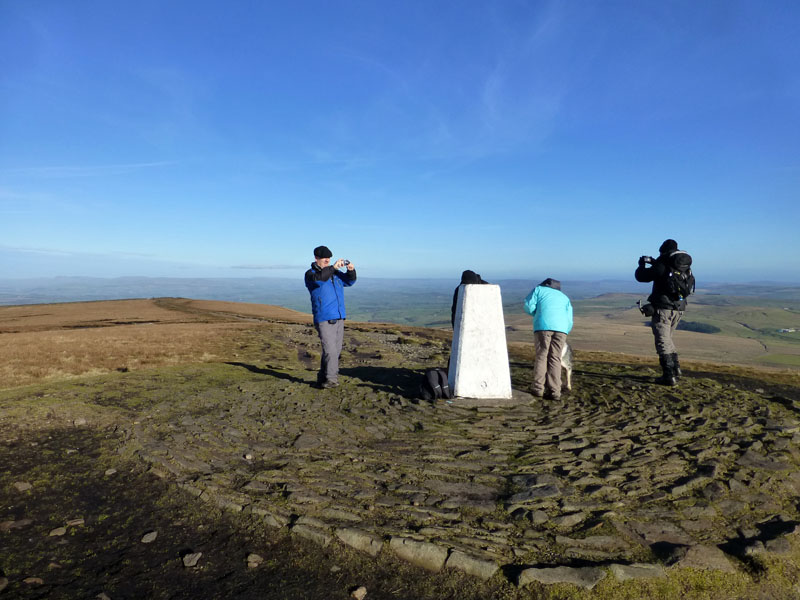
680	280
434	385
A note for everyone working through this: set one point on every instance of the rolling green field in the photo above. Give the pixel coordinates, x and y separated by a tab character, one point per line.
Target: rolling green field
746	330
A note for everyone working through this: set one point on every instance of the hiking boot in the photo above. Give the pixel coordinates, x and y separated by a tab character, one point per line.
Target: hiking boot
676	366
667	371
537	393
329	384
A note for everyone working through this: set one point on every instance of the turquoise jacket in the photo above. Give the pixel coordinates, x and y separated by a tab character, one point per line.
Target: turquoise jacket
550	308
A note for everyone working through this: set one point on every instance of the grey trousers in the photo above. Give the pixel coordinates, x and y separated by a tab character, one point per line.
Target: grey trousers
664	322
547	364
331	335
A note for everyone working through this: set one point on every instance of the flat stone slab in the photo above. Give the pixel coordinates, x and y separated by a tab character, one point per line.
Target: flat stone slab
360	540
706	557
585	577
423	554
637	571
472	565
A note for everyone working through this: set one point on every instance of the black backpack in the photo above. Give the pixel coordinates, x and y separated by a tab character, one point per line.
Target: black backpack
680	280
434	385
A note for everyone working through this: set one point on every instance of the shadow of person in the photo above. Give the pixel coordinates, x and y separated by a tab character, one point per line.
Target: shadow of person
267	371
613	376
394	380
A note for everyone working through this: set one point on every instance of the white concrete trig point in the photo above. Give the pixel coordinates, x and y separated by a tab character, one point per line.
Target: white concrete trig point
479	355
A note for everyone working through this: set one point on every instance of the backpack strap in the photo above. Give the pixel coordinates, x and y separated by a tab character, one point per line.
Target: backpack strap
432	378
444	383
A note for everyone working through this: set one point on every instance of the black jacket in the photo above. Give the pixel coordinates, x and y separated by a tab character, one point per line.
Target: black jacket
658	273
468	277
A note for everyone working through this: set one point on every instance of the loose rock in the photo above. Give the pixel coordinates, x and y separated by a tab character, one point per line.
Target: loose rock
191	560
359	593
6	526
254	560
149	537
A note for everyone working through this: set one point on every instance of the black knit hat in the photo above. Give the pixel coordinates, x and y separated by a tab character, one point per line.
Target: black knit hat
668	246
322	252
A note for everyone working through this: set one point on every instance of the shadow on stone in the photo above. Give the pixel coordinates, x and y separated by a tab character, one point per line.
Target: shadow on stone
668	553
770	536
387	379
621	377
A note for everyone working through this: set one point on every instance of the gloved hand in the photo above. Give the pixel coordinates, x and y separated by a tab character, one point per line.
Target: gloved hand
642	261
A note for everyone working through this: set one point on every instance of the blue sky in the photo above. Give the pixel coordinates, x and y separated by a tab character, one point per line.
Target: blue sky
416	138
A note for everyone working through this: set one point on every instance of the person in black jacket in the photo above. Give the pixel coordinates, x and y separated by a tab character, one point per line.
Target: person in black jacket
468	277
668	303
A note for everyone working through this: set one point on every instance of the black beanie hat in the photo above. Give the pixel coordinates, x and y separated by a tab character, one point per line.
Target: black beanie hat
668	246
470	277
322	252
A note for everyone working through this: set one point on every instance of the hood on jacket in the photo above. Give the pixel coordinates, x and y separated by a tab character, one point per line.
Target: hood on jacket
551	283
470	277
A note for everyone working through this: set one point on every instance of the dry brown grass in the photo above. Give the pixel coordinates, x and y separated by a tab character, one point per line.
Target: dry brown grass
32	356
76	315
53	341
39	342
205	309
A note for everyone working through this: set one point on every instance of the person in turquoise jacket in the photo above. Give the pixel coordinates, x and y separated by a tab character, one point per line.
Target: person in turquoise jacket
552	321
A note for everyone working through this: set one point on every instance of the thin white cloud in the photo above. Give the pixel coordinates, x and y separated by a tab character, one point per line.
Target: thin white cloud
66	171
72	253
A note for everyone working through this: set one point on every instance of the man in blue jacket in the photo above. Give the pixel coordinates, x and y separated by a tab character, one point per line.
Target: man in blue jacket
552	321
326	283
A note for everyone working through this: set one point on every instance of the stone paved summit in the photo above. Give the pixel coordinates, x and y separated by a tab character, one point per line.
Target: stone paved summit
619	477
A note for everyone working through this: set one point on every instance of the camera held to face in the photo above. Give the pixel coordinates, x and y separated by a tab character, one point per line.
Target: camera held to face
648	260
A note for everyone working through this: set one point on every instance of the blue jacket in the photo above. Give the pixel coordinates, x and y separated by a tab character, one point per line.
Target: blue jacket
326	287
550	308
